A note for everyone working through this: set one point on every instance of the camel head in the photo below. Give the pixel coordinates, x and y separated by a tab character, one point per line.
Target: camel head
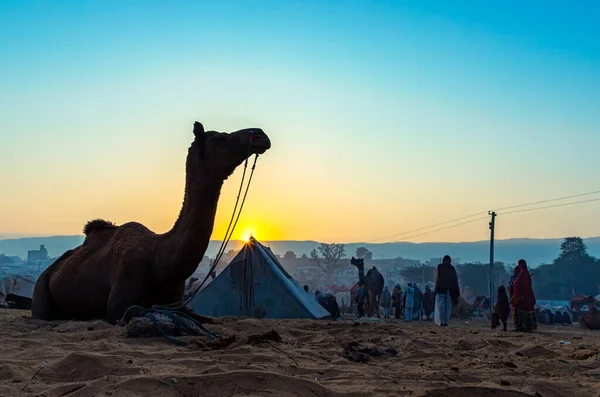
220	153
359	263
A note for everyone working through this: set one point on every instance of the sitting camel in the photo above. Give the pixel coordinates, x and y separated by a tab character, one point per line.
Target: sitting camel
118	267
373	284
465	310
590	319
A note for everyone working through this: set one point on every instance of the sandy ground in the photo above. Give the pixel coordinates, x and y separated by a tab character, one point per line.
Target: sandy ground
312	358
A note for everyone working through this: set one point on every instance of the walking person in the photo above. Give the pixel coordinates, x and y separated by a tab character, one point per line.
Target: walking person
418	302
397	300
386	302
501	309
447	291
511	291
409	298
360	300
428	302
523	300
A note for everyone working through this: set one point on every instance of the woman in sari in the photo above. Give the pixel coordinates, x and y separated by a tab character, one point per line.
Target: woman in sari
511	291
523	299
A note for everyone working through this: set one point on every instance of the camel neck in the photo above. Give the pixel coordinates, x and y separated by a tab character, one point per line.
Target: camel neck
184	246
361	274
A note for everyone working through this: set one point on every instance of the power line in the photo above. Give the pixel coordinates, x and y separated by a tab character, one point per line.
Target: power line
550	206
426	227
446	228
485	212
548	201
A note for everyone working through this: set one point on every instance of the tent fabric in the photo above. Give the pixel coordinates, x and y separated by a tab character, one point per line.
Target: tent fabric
255	284
16	285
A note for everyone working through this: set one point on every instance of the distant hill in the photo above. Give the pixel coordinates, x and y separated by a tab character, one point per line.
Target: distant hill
535	251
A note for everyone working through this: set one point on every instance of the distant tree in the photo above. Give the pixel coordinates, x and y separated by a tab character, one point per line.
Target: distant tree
573	249
5	260
331	253
548	283
304	257
418	273
476	276
289	255
363	253
314	257
574	271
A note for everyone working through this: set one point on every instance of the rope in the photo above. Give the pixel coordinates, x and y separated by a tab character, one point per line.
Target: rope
228	234
193	294
175	315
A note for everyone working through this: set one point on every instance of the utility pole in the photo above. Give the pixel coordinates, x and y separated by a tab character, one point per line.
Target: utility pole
491	272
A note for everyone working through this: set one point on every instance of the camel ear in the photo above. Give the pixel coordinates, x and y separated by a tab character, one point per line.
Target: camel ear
200	137
198	130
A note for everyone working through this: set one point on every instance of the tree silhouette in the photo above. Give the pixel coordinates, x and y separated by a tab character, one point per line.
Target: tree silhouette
573	248
573	272
289	255
363	253
476	276
331	253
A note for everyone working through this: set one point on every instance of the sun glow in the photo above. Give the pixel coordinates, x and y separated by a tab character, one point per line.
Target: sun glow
247	234
256	228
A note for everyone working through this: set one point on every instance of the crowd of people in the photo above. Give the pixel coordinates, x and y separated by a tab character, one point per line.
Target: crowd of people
414	304
435	304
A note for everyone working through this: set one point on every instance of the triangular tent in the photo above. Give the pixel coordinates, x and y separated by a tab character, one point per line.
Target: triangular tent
255	284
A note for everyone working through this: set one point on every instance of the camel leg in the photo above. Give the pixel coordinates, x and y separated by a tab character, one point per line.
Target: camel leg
377	303
127	291
43	305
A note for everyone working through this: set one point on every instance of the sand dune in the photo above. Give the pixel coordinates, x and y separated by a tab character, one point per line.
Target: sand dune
302	358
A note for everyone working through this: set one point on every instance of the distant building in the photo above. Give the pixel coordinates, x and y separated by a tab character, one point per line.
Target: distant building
40	255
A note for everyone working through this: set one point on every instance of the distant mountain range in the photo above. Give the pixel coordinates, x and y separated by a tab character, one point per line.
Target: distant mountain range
535	251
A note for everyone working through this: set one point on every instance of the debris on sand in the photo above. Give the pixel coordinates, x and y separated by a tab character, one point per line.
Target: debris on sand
265	337
353	351
535	351
584	354
219	343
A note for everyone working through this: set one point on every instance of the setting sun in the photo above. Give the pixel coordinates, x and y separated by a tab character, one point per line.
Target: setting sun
253	226
246	235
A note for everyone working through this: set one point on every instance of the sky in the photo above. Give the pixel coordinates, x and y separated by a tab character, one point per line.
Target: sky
384	116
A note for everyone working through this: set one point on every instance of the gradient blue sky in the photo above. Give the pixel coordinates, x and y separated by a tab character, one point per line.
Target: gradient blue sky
384	116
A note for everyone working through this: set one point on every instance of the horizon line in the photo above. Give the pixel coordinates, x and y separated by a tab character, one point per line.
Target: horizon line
320	242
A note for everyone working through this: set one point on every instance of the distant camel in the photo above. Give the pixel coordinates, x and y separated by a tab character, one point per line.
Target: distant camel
578	301
373	284
590	319
464	310
117	267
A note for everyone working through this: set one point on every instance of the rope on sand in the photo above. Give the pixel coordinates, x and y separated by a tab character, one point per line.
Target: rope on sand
181	322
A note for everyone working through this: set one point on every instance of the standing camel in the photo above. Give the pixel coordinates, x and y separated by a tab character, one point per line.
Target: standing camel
373	283
117	267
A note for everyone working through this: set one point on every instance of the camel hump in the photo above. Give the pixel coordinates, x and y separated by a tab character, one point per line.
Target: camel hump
97	224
